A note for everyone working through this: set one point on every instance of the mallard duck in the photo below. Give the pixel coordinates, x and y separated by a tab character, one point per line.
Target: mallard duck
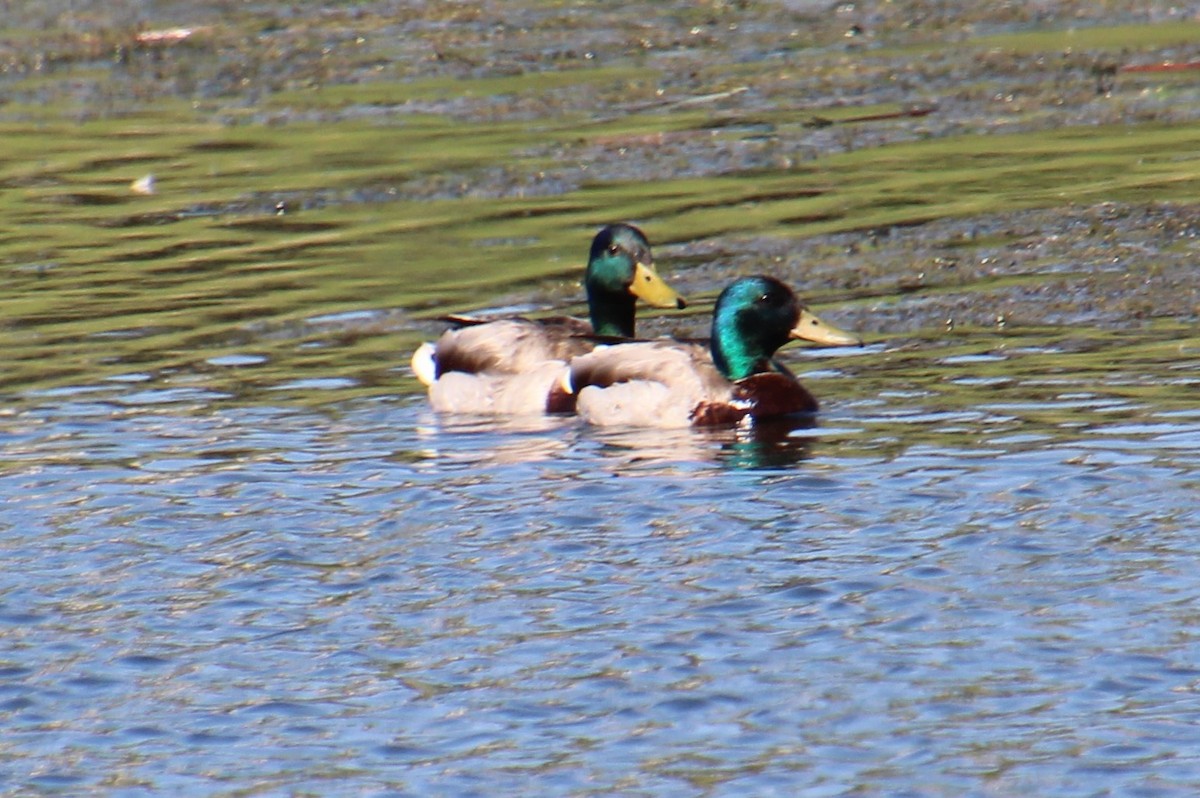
510	366
672	383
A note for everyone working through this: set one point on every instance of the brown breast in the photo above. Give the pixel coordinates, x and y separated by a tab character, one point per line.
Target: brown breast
773	394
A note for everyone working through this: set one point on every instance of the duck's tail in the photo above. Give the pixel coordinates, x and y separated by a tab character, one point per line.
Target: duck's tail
424	363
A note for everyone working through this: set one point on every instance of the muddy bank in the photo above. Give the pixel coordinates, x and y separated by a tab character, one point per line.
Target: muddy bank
1110	266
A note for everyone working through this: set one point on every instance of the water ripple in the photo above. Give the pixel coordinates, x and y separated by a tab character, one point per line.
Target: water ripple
558	605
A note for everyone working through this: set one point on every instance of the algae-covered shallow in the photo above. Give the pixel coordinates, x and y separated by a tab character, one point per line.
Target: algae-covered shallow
245	559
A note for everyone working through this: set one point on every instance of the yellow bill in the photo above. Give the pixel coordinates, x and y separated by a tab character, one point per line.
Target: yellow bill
811	328
652	289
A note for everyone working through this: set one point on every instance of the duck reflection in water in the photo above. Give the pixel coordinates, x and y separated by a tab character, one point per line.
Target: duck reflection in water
463	441
768	444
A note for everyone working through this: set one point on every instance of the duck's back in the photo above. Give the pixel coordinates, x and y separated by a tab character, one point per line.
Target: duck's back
648	383
510	346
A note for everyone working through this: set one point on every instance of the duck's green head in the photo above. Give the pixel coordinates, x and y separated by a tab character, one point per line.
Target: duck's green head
756	315
620	270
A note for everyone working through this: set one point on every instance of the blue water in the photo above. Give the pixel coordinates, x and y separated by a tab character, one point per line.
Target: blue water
203	598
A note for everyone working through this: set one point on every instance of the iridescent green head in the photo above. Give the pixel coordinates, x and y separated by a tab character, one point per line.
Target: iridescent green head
754	316
620	270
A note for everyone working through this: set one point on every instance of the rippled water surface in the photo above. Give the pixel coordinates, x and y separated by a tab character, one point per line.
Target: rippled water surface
243	558
904	599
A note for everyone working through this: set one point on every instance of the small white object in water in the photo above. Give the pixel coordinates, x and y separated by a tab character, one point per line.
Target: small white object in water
143	185
164	36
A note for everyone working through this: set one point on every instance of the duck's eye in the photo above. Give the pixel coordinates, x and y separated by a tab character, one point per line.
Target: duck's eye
613	249
765	298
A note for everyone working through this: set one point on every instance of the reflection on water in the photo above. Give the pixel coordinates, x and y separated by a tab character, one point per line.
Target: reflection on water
772	444
934	590
778	444
477	441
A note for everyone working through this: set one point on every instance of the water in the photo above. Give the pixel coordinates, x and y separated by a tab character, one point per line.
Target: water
904	599
243	558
